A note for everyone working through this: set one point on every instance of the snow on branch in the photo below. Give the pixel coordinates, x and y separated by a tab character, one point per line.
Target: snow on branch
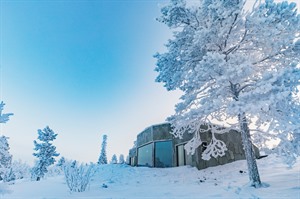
193	144
4	117
216	148
78	176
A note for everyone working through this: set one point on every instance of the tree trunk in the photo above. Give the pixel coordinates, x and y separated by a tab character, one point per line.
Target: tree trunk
249	152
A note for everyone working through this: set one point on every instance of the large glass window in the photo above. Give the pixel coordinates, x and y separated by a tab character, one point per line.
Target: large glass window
145	154
163	154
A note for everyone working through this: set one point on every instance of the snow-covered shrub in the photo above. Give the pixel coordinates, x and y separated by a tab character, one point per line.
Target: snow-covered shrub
20	170
61	162
45	153
9	175
78	175
58	168
54	170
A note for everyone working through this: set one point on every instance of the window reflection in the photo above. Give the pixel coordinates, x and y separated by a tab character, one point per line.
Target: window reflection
145	154
163	154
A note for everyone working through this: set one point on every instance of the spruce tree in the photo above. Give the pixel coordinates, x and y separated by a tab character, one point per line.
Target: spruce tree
103	158
45	153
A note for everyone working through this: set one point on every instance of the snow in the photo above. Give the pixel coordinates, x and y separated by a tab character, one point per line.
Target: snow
122	181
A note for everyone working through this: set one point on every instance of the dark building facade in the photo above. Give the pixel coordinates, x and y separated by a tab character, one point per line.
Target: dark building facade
156	147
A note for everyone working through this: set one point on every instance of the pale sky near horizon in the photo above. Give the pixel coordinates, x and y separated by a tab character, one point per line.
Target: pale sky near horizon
85	68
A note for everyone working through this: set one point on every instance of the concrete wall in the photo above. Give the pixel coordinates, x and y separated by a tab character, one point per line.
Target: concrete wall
133	157
161	132
233	141
234	145
144	137
154	133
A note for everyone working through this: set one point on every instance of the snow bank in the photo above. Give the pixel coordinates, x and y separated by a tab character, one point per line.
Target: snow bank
122	181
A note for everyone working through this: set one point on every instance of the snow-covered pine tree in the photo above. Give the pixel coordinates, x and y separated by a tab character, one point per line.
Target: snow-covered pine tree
4	117
45	153
5	160
114	159
121	159
103	158
235	68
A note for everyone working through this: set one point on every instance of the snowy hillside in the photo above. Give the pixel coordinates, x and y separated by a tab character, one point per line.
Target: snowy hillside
122	181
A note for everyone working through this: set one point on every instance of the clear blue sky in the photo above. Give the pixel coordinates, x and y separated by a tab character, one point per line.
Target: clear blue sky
85	68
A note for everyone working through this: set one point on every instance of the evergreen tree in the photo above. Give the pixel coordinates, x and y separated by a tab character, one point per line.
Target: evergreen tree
103	158
121	159
233	67
5	157
114	159
45	153
4	117
5	160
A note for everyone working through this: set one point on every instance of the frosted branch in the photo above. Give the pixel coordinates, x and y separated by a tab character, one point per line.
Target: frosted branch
193	144
4	117
216	148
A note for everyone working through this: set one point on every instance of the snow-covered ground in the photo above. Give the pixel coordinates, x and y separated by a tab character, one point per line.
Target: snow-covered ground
227	181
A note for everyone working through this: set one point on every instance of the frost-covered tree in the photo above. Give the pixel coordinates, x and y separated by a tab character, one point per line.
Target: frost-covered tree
121	159
235	68
103	158
5	157
114	159
5	160
4	117
45	152
61	162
